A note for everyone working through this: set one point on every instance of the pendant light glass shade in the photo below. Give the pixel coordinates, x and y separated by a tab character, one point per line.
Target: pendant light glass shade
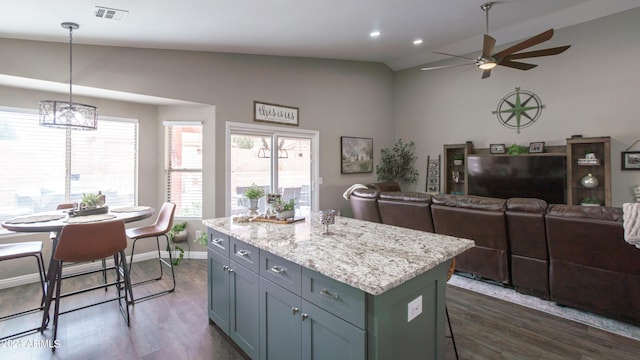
67	114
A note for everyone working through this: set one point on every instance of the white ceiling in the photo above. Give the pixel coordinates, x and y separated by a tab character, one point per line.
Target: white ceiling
333	29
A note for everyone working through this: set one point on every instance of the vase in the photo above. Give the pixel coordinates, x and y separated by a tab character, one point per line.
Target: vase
589	181
253	206
287	214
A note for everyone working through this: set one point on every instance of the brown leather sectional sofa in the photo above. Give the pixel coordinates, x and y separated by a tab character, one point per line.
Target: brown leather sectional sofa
573	255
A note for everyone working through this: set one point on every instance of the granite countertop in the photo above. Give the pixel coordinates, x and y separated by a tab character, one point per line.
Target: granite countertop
369	256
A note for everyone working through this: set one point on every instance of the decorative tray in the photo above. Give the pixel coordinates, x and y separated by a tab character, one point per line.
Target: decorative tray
99	210
276	221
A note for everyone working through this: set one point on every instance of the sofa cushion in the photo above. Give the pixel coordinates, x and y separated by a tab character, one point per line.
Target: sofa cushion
469	202
587	212
527	205
364	205
386	186
406	196
481	219
406	209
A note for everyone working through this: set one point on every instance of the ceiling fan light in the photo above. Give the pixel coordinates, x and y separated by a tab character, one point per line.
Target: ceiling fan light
486	64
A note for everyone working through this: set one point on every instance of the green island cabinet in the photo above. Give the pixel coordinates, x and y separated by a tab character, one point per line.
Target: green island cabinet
275	309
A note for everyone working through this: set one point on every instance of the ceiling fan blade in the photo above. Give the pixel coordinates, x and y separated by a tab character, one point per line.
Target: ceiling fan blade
458	56
538	53
487	46
486	73
517	65
444	66
542	37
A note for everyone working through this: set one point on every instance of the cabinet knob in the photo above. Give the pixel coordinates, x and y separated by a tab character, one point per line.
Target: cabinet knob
304	316
225	268
294	310
278	269
216	240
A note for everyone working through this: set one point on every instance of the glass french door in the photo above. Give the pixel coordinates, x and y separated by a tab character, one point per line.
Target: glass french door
278	161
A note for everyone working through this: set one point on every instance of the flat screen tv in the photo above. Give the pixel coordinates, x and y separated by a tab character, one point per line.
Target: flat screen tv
531	176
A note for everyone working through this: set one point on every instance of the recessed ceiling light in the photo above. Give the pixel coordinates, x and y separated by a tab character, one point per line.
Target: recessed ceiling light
417	41
374	34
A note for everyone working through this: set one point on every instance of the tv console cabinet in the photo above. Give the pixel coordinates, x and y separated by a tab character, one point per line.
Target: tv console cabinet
575	151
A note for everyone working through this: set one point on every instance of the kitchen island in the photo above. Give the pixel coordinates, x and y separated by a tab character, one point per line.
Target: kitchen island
364	291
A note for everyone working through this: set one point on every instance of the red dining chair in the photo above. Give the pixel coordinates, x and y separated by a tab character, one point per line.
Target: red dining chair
161	227
88	242
23	250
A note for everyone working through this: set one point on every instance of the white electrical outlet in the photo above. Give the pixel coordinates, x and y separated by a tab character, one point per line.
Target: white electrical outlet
414	308
198	234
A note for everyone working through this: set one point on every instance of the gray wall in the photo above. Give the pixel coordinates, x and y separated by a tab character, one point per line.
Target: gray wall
335	97
592	89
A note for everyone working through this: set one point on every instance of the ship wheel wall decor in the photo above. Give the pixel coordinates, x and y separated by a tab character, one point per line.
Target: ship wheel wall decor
519	109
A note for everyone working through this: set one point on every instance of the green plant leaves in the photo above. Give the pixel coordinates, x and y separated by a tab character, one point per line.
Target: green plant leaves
397	163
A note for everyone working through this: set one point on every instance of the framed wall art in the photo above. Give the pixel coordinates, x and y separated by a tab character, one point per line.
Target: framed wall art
497	149
630	160
356	155
274	113
536	147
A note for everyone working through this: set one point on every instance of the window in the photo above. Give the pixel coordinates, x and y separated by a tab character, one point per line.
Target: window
51	166
183	166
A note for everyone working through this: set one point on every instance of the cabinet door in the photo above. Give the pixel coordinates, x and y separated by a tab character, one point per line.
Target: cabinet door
326	336
244	323
280	325
218	294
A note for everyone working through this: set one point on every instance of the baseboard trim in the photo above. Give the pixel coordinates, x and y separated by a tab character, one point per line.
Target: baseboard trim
95	265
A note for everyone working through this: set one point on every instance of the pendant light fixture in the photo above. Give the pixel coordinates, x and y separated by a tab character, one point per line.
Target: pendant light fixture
68	115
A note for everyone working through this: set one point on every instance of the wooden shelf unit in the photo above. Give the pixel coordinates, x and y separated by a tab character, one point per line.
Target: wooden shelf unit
576	149
454	176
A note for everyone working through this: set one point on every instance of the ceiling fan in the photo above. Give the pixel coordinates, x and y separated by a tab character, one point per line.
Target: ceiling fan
487	61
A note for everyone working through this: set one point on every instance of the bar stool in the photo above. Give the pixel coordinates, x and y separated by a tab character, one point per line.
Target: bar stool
88	242
53	234
23	250
161	227
452	268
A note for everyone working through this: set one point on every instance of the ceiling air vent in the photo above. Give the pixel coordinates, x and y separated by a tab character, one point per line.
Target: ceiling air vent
110	14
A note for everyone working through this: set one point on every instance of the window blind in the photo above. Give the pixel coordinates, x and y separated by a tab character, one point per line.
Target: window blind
183	167
50	166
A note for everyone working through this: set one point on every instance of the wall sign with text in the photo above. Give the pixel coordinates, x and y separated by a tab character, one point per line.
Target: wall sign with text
274	113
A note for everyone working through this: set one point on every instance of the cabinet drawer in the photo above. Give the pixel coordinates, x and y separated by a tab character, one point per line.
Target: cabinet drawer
218	242
244	254
335	297
281	271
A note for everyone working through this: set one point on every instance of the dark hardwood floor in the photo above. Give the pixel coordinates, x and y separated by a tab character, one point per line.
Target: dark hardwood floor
175	326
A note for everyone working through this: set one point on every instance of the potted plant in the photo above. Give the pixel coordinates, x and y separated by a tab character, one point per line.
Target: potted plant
91	200
177	232
516	149
397	164
458	159
589	201
202	239
254	193
285	209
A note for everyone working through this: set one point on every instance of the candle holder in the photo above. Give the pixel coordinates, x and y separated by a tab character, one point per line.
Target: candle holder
327	217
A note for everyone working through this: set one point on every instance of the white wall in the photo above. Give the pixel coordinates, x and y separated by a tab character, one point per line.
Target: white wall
592	89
